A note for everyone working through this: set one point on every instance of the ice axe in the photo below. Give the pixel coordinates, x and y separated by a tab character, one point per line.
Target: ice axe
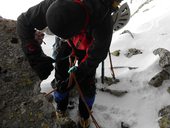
112	71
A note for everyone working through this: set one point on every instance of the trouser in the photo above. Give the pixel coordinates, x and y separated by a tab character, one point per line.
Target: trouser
61	53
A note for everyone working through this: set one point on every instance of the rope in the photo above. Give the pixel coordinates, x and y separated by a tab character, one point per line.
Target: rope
73	77
55	89
70	77
84	101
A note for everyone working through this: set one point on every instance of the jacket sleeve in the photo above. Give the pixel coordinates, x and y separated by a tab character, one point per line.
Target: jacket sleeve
98	51
33	18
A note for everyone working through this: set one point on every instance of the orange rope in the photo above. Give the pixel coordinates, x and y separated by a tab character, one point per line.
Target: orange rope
71	78
83	99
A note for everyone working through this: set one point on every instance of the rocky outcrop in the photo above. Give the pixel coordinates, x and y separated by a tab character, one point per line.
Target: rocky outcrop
164	63
21	103
164	114
132	51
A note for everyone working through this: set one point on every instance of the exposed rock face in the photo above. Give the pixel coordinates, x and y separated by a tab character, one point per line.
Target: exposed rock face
132	51
164	62
21	104
164	121
158	79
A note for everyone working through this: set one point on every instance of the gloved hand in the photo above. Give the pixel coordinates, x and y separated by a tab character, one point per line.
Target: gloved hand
42	66
40	63
32	48
39	36
62	86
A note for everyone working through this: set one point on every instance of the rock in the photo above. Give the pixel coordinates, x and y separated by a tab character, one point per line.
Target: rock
116	53
124	125
158	79
21	103
108	80
168	90
164	61
49	97
132	51
117	93
66	122
164	121
164	111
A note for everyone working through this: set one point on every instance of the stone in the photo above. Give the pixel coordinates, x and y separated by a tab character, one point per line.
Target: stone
117	93
158	79
164	114
164	62
22	104
132	51
164	55
116	53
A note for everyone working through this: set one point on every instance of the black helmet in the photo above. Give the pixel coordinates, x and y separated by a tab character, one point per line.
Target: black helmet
65	18
118	0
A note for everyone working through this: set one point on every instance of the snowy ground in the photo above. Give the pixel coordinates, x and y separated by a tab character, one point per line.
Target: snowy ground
139	107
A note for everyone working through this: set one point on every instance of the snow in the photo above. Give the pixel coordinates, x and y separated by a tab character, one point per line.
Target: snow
11	9
139	107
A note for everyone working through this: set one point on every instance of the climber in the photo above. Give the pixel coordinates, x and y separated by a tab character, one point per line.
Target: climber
83	30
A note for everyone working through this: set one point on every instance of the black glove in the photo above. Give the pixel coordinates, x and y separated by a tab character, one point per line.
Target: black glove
42	66
40	63
62	86
32	48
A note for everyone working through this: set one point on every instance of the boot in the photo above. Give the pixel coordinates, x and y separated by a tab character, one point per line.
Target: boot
63	120
60	114
84	123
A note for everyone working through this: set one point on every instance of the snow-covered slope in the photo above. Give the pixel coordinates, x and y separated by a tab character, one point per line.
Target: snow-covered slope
139	108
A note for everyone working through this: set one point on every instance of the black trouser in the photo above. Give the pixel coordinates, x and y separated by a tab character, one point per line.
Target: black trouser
61	53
